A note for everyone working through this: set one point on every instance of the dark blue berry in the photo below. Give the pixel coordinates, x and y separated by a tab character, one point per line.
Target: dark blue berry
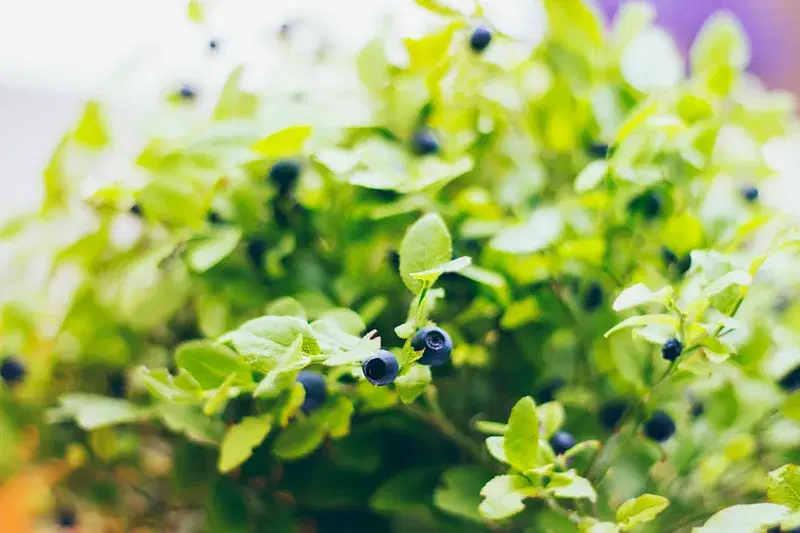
647	204
381	368
214	218
480	39
561	441
684	264
187	93
136	209
791	381
671	349
611	413
593	297
668	256
66	518
394	260
750	194
212	44
696	409
548	391
256	249
659	427
775	529
599	150
314	384
12	370
436	344
117	384
284	174
424	142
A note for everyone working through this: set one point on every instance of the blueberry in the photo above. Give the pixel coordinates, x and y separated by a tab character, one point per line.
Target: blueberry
750	194
696	409
187	93
394	260
214	218
66	518
212	44
668	256
381	368
117	385
436	344
599	150
284	174
548	391
646	204
659	426
791	381
671	349
774	529
12	370
255	252
136	209
611	413
561	441
424	142
593	297
681	265
684	264
480	39
314	384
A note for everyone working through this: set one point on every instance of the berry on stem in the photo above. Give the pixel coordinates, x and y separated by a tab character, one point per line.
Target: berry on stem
12	370
381	368
480	39
436	344
750	194
599	150
671	349
611	413
593	297
136	210
561	441
424	142
66	518
659	427
314	384
187	93
284	174
117	385
647	204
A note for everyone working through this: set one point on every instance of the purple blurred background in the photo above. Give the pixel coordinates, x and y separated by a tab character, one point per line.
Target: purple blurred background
773	27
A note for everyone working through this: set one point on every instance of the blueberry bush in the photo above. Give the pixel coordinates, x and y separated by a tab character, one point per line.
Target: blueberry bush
524	272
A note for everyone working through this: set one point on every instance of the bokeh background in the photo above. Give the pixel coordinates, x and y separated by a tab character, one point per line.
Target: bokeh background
56	53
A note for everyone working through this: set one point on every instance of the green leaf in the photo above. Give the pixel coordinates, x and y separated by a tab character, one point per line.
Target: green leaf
337	417
287	142
521	440
164	387
542	229
639	294
644	320
783	486
522	312
366	346
297	395
641	509
432	274
496	447
92	411
91	130
219	399
349	321
406	492
752	518
213	248
299	440
448	7
591	176
720	51
413	383
570	485
373	67
503	496
552	416
55	177
234	103
240	440
196	11
190	421
281	376
426	245
286	306
683	233
280	330
211	363
460	495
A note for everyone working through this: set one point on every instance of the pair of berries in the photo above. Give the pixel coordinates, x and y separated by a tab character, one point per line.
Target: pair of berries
659	427
382	368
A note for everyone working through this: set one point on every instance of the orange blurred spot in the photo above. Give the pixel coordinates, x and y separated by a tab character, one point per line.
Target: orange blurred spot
21	497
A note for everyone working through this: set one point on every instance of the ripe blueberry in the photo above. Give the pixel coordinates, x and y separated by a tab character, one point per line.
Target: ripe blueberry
12	370
136	209
66	518
684	264
284	174
612	412
659	426
117	385
394	260
380	368
593	297
424	142
696	409
255	252
187	93
791	381
212	44
750	194
480	39
436	344
599	150
314	384
561	441
647	204
214	218
671	349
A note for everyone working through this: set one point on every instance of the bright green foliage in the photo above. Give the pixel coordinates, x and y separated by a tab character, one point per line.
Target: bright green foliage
583	208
